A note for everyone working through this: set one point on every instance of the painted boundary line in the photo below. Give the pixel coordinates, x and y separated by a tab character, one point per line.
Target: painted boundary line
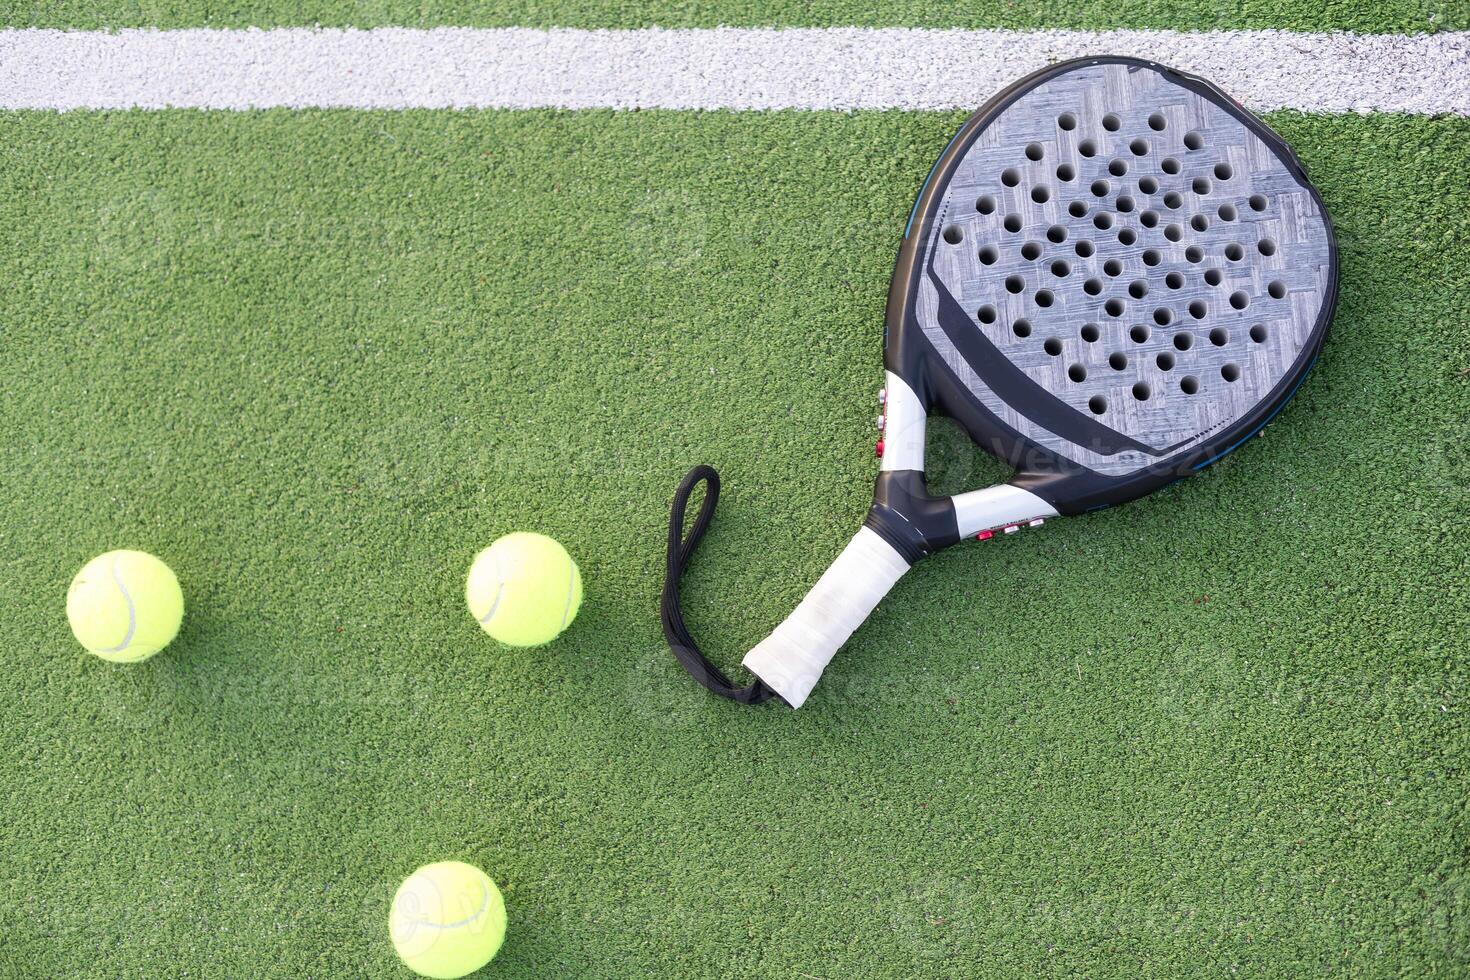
720	68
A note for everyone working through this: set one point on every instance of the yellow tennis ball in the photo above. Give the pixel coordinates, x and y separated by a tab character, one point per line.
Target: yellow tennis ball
448	920
125	606
524	589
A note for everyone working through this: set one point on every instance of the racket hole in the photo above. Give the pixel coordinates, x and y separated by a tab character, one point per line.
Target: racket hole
1138	147
1100	188
1013	223
1053	346
1077	209
1173	200
1092	287
1223	171
1266	246
1258	333
1040	195
986	314
1060	269
1014	284
1163	316
1174	232
1198	309
1077	373
1230	372
1151	256
1010	176
1227	212
1239	300
1199	223
1021	328
1165	361
1200	185
1066	172
1174	280
1045	298
1102	220
1118	168
1067	121
1111	122
1087	148
1141	391
1125	204
1056	234
1183	341
1114	307
1113	267
1030	251
1219	336
1213	277
1127	236
1234	252
1169	166
1257	202
1148	185
1098	404
1138	289
1193	141
1089	333
986	205
1034	152
1084	248
954	234
1189	384
1277	289
989	254
1117	360
1138	334
1194	254
1149	219
1156	122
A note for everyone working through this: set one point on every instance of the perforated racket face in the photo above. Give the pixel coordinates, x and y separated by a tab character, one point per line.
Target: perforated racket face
1117	264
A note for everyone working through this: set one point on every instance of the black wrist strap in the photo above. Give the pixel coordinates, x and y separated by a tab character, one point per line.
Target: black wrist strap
681	548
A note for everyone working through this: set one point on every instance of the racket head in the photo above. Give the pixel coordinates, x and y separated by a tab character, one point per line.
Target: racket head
1114	275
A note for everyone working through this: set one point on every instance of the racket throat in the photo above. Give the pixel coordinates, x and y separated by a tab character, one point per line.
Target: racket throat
904	514
916	525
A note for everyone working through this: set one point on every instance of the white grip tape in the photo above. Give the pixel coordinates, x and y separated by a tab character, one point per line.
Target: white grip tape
792	658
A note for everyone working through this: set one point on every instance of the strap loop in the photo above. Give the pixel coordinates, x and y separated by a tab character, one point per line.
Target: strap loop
681	549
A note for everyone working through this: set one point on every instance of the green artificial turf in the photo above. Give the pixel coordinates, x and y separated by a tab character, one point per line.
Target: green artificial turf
316	360
1402	16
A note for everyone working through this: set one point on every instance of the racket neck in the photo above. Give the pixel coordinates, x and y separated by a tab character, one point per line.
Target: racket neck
906	516
903	514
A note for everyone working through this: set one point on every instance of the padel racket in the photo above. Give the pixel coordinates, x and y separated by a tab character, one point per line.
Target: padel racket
1113	276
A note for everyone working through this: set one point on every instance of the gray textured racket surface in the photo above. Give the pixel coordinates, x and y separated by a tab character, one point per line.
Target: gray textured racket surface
1138	251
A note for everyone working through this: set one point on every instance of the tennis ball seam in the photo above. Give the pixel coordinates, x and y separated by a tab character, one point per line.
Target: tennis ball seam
499	593
566	614
132	611
482	910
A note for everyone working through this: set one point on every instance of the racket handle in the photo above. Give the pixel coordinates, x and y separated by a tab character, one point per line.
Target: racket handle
793	657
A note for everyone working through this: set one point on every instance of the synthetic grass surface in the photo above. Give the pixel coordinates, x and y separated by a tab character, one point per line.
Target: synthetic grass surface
1386	16
316	360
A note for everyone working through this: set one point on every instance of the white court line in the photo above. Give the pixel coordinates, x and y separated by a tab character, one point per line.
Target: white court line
720	68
